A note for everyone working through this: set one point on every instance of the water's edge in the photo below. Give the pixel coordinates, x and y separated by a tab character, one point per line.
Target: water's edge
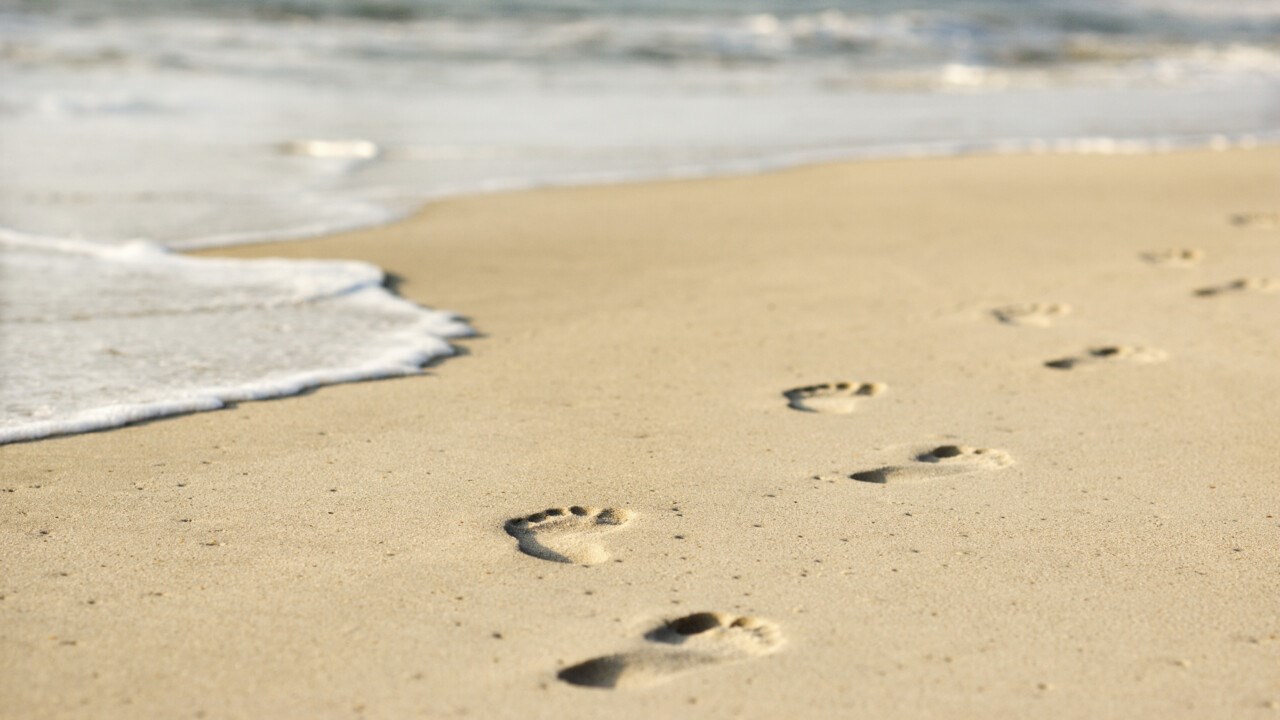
1085	145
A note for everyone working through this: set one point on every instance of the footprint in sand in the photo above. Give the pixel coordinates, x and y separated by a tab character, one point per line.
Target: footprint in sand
942	461
1109	354
567	535
838	398
1243	285
1174	257
679	646
1032	314
1257	220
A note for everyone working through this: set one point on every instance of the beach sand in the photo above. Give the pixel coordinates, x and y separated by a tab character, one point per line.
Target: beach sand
1048	489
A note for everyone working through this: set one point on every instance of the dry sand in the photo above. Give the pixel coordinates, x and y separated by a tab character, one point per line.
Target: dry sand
1110	553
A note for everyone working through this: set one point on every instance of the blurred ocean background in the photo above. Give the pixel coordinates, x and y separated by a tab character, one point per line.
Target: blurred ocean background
128	127
190	122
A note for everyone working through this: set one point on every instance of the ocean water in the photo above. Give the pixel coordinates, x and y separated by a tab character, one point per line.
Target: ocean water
133	130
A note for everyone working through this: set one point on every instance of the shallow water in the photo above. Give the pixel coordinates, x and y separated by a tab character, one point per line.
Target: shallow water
191	127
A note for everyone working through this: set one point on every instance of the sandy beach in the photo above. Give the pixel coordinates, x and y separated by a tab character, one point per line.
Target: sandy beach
979	437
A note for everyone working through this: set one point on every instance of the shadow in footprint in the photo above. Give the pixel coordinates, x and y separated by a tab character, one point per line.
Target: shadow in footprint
1109	354
941	461
680	646
837	398
567	535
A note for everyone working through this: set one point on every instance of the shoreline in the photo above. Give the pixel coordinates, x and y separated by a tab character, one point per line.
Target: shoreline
346	552
304	379
1083	145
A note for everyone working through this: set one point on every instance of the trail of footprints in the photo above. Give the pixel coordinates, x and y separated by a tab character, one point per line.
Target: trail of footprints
575	534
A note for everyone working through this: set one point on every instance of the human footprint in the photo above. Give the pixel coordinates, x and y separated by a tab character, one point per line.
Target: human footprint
679	646
567	535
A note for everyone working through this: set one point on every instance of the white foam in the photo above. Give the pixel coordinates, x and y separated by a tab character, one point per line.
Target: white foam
147	333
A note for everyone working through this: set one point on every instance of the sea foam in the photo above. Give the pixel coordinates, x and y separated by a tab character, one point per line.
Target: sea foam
98	336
